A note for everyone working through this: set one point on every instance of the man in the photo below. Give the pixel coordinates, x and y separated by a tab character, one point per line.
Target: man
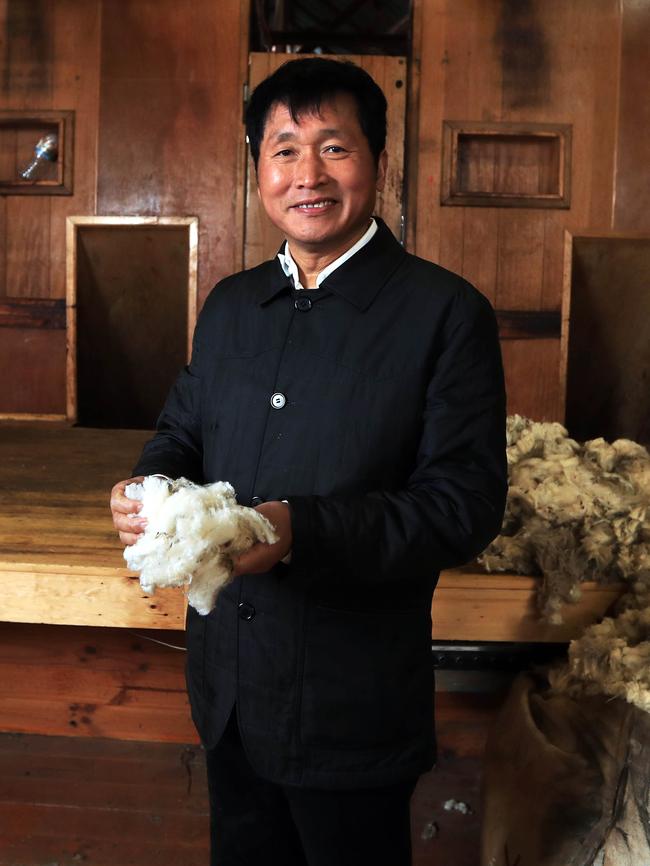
353	394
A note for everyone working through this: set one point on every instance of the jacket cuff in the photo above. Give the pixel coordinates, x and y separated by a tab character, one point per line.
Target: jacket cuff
302	530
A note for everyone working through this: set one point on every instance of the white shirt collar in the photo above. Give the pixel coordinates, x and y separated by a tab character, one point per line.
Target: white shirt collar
291	269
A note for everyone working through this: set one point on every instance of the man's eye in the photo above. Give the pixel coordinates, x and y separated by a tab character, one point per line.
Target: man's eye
285	152
334	148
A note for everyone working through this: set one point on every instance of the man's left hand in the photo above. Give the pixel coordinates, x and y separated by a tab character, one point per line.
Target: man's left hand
262	557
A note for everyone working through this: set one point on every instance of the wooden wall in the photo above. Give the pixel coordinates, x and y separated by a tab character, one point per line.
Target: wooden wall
581	62
158	99
157	91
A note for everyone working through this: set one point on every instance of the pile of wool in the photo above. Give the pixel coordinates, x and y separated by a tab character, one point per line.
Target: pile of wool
192	535
610	658
574	513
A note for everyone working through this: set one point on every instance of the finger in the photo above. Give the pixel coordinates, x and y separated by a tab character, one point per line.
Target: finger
120	502
128	538
129	523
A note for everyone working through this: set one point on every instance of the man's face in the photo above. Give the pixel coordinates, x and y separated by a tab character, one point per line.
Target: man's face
317	178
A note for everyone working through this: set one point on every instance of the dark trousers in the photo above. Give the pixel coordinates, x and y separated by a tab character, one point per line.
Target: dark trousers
254	822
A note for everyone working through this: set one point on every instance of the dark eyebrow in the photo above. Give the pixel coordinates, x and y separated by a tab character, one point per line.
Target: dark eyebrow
289	136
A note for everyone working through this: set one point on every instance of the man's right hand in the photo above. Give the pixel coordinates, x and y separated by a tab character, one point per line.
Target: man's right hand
125	512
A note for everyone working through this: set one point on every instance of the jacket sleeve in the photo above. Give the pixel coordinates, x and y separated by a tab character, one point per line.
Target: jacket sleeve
452	504
176	449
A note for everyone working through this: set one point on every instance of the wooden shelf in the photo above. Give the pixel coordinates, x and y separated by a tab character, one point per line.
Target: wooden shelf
61	561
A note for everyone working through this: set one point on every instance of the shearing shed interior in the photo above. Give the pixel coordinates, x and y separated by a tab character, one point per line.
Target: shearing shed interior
518	145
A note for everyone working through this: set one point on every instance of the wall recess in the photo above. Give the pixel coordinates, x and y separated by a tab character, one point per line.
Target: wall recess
506	164
36	152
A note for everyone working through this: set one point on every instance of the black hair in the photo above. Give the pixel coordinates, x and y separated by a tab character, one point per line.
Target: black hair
302	85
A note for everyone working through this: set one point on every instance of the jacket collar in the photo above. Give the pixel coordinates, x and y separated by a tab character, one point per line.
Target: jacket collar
358	281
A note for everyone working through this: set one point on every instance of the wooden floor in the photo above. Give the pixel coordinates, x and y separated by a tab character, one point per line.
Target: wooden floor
66	801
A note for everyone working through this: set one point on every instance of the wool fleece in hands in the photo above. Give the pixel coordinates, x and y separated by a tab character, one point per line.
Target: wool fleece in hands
192	536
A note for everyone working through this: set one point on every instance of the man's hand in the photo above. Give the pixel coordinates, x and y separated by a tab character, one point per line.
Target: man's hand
262	557
125	512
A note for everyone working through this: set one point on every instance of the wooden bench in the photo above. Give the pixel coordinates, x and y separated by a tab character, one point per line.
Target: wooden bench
61	561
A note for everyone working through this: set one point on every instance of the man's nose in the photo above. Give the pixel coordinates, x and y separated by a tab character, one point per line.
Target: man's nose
310	170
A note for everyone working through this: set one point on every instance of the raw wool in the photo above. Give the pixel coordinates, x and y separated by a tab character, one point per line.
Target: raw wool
574	513
610	658
192	536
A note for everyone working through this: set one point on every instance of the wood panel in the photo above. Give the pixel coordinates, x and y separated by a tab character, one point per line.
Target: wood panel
27	264
261	238
94	682
76	44
51	61
26	83
61	798
170	119
512	62
533	378
130	278
56	68
33	365
606	337
632	204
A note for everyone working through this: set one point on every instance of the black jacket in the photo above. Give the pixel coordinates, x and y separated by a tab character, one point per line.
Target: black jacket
389	446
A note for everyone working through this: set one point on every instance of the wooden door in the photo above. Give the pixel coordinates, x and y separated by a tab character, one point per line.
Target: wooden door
261	238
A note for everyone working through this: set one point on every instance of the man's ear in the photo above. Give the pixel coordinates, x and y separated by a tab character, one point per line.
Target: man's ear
382	165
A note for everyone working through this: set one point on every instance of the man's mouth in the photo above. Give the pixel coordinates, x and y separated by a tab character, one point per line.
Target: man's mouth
314	205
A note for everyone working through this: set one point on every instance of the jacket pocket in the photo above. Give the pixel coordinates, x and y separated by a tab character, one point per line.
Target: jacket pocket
367	678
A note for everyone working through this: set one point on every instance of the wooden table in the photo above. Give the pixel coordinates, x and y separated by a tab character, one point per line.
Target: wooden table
61	561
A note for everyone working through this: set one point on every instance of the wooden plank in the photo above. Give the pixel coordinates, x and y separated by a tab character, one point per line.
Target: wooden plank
45	780
89	834
632	196
3	246
533	378
520	259
452	237
465	606
86	682
75	83
607	334
480	245
426	95
86	599
28	246
553	261
489	613
27	83
178	93
36	359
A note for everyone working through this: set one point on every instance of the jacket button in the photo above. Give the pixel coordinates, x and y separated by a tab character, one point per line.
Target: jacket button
246	611
278	400
303	304
256	500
